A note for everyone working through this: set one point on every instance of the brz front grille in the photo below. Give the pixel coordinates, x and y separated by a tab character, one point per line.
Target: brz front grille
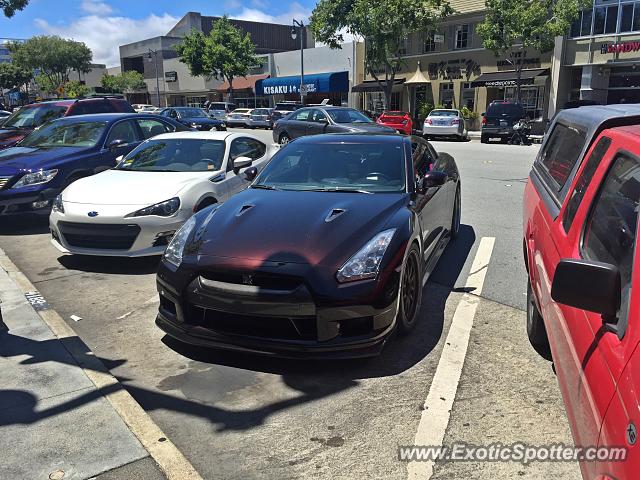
99	236
4	181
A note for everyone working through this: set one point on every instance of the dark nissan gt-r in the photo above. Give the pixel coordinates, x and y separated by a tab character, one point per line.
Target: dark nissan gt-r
323	256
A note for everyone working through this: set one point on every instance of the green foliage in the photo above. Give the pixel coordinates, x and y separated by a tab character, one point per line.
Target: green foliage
75	89
55	57
47	85
382	23
12	76
424	108
468	113
224	54
10	7
126	82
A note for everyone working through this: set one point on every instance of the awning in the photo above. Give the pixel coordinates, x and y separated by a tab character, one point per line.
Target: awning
242	83
314	83
508	78
373	86
418	78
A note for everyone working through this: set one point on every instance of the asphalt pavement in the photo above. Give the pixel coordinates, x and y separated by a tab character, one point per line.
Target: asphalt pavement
243	417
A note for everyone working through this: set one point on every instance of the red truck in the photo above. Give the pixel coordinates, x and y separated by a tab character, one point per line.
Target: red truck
580	229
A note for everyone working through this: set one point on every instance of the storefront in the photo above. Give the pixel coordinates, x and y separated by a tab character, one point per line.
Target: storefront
372	95
244	92
318	87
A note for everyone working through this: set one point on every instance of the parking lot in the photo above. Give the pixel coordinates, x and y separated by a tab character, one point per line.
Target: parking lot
238	416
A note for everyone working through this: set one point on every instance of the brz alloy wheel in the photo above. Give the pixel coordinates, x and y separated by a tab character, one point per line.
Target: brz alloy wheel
410	292
284	139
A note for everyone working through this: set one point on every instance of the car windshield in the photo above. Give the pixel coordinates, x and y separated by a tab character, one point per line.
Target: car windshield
394	114
241	110
348	115
371	167
34	116
218	106
511	109
175	155
191	113
286	107
443	113
63	134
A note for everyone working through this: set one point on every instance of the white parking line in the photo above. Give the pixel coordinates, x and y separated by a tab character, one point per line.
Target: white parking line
439	402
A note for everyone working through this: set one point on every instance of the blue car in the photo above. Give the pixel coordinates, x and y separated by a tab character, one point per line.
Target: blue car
44	163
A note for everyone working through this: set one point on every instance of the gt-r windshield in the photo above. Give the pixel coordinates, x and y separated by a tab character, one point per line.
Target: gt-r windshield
175	155
346	167
57	134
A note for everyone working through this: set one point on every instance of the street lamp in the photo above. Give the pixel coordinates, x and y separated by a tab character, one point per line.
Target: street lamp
155	53
294	35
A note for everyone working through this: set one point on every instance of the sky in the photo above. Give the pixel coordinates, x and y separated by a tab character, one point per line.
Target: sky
106	24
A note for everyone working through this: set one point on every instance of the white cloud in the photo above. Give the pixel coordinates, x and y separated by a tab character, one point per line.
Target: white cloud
232	4
296	10
105	34
96	7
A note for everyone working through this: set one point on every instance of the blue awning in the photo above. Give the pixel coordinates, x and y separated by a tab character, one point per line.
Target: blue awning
315	83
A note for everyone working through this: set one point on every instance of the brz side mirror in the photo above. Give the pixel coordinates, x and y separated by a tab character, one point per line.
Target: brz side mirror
430	180
591	286
250	174
115	144
241	162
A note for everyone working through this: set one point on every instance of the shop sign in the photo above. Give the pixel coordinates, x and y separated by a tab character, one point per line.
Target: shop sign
526	63
285	89
170	76
621	47
500	83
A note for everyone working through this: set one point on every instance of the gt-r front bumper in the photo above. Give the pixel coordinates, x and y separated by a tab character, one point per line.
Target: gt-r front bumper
110	233
280	314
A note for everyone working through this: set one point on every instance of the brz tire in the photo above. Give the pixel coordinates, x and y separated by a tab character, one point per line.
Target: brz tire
410	292
536	330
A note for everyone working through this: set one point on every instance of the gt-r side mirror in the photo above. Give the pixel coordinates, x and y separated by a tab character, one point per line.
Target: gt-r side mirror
241	162
115	144
250	174
430	180
591	286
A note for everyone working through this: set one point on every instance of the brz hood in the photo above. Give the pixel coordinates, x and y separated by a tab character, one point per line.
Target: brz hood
317	228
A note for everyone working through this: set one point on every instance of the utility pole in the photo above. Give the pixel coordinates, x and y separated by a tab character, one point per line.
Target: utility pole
155	53
294	34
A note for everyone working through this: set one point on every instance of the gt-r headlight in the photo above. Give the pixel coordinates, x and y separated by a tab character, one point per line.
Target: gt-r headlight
366	262
162	209
175	249
36	178
58	206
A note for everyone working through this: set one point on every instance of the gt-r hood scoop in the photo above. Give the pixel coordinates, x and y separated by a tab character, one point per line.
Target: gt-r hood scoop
121	187
296	227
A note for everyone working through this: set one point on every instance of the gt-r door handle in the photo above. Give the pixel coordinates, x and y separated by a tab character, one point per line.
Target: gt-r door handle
218	178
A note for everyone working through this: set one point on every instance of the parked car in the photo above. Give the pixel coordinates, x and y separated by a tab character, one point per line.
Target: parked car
193	117
3	116
159	186
142	107
499	119
260	118
400	121
580	237
52	157
26	119
239	117
282	109
316	120
324	255
444	123
220	110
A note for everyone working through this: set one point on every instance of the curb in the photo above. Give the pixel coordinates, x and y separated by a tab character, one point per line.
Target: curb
170	460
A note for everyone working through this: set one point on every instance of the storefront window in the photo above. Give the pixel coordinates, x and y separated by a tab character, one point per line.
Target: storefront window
446	95
196	101
608	17
462	36
429	44
531	98
468	96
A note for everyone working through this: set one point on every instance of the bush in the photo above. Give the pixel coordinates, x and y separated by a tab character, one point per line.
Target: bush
468	113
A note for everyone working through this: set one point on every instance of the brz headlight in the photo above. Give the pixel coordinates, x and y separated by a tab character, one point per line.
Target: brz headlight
366	262
175	249
36	178
58	206
162	209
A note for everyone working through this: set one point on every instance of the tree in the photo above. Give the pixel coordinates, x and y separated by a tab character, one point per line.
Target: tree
53	56
383	24
512	28
224	54
75	89
127	82
12	76
10	7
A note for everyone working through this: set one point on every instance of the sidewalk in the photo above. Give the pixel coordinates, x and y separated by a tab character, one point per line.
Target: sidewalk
54	423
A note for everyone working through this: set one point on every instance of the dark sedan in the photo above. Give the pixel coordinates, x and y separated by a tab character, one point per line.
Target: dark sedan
323	256
50	158
194	117
316	120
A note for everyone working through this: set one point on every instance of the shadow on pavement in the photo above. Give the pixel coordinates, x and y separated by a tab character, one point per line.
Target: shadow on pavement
27	224
114	265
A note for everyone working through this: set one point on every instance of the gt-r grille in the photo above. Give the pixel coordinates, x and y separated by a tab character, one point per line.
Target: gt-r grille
4	181
274	282
99	236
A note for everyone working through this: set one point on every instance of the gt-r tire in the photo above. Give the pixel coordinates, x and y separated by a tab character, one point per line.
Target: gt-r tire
283	139
536	330
410	292
455	220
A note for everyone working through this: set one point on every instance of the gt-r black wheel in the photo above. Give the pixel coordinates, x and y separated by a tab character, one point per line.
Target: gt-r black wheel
284	139
455	220
410	292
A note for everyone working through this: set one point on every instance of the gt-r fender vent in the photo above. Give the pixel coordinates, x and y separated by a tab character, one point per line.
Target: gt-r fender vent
333	214
244	209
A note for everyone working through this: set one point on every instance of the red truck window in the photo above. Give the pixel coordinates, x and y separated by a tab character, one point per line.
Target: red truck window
583	182
561	152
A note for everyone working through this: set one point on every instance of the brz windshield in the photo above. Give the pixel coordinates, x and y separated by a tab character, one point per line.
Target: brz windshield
348	167
348	115
175	155
32	117
57	134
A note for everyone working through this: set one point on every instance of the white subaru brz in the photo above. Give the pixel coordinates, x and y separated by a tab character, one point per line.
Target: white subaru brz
134	209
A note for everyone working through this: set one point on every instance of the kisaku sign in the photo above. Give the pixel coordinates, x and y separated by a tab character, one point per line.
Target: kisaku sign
621	47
